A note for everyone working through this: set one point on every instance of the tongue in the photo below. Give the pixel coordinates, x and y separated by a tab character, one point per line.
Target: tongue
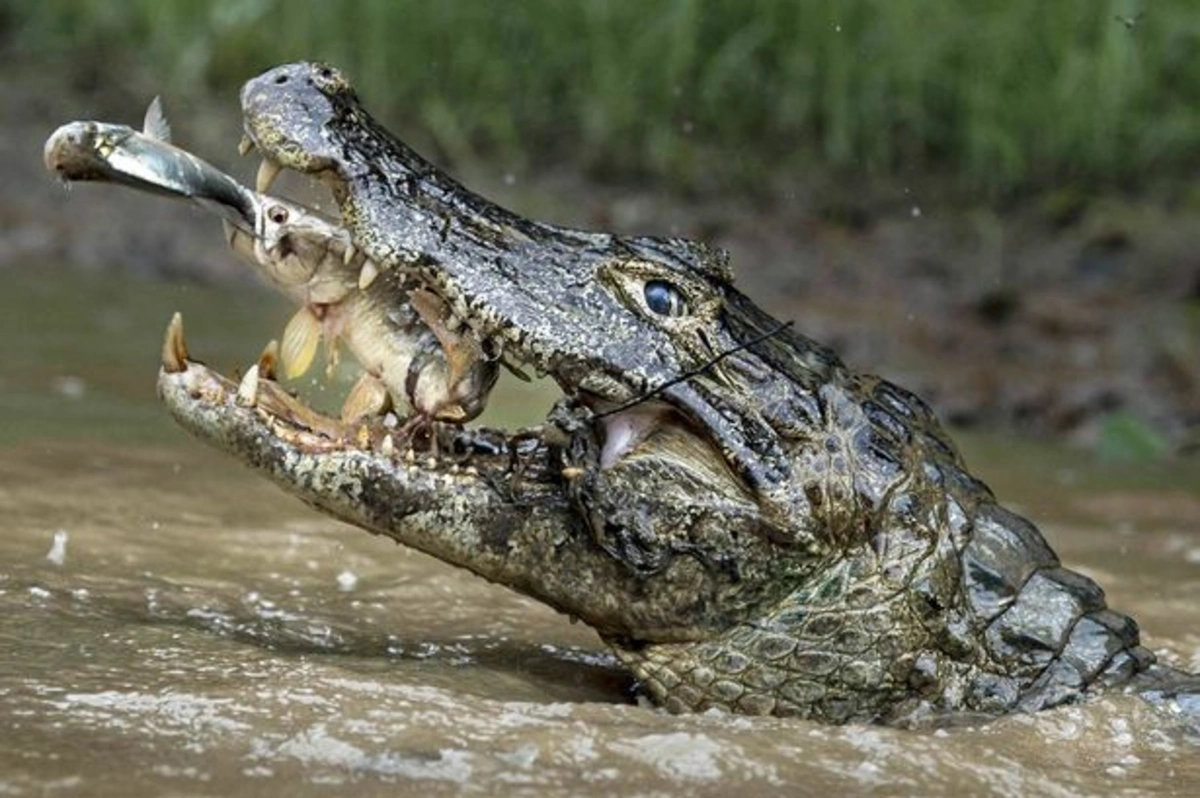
625	430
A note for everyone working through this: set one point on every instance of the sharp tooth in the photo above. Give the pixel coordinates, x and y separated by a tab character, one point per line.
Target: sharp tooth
300	339
268	170
268	360
174	350
368	274
245	146
247	392
368	398
387	447
348	253
362	437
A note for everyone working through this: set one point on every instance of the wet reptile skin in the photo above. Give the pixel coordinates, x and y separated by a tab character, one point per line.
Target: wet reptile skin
785	536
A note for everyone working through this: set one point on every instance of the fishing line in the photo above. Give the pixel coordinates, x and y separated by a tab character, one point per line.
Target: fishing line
697	371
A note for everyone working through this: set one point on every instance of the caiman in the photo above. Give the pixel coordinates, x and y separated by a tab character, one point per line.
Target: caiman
748	523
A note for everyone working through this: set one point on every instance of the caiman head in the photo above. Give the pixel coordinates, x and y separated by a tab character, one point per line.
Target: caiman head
748	524
630	326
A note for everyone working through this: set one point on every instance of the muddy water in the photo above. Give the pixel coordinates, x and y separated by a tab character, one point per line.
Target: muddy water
172	625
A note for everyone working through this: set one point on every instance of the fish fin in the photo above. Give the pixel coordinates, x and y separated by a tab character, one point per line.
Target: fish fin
368	398
299	345
156	125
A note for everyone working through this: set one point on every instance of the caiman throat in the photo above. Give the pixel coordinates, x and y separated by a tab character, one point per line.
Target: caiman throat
747	522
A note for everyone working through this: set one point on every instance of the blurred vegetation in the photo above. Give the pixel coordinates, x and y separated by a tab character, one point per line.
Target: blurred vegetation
1005	96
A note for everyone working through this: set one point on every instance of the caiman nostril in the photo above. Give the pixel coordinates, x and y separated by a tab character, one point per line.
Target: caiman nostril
281	79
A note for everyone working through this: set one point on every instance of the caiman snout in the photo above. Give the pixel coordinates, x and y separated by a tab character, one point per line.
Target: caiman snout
291	129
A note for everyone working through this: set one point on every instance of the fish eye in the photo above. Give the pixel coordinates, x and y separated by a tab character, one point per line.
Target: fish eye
664	298
277	214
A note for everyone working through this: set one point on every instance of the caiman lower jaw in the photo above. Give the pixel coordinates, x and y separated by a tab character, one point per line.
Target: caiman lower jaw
260	423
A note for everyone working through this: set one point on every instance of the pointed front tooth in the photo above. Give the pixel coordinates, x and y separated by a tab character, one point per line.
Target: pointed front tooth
348	253
245	146
268	170
299	346
174	350
387	447
247	392
367	275
268	360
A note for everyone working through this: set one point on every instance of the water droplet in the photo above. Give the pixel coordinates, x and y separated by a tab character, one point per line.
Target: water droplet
70	386
58	549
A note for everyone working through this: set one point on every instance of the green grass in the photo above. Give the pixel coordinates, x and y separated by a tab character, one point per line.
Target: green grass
1007	96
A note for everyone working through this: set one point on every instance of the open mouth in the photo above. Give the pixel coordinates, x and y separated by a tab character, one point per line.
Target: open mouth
390	320
384	318
257	418
430	340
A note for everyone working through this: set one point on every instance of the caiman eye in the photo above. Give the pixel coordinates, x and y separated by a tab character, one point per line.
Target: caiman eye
664	299
277	214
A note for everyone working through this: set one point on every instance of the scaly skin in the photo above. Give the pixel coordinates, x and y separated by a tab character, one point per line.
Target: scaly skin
770	533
